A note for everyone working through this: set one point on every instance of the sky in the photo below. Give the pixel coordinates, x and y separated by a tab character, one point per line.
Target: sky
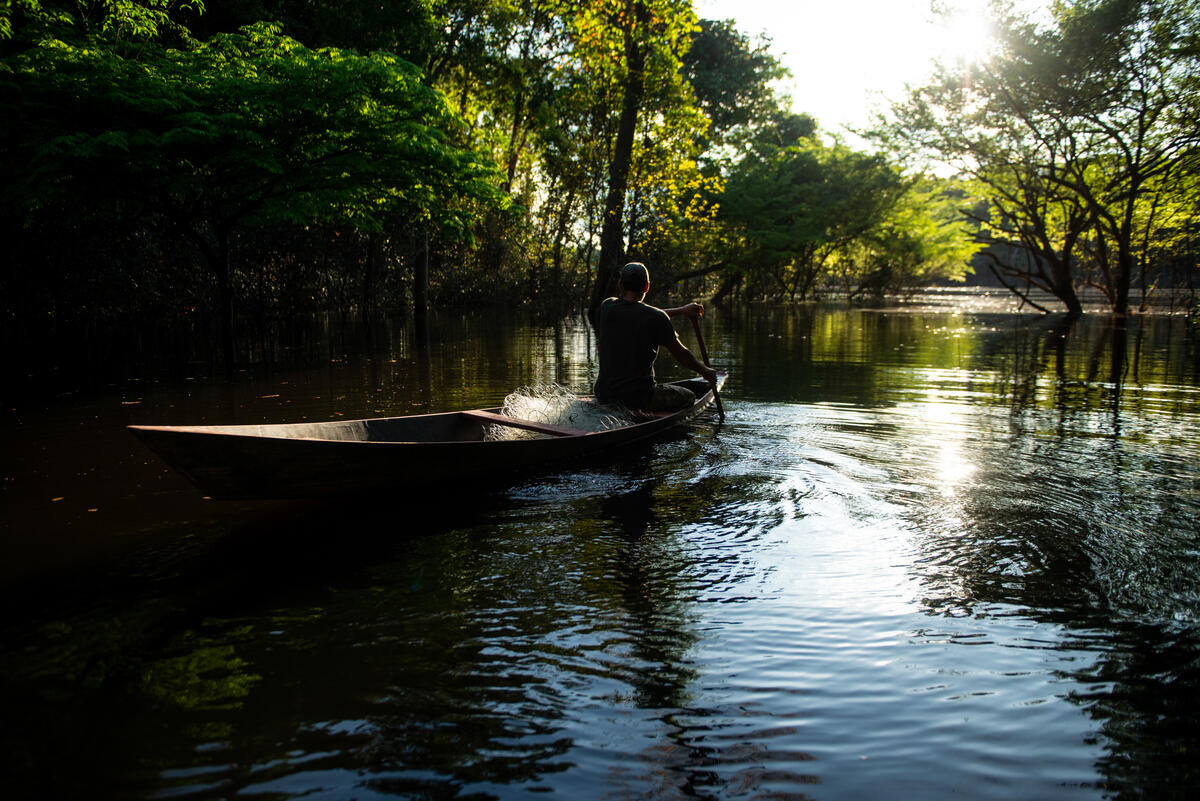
847	56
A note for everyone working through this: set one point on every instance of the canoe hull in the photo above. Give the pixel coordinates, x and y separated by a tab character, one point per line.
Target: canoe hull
351	457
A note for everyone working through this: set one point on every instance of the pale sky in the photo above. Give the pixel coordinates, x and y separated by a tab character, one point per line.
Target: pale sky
844	55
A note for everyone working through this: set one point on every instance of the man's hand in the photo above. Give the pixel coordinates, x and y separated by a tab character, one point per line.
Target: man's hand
709	375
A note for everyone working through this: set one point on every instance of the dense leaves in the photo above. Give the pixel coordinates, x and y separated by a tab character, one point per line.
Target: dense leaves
811	213
731	76
248	130
249	127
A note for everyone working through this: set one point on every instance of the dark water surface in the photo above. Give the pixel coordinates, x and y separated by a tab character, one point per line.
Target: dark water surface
931	553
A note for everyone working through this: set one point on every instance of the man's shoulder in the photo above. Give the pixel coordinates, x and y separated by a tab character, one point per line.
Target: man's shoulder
629	311
654	311
607	307
646	309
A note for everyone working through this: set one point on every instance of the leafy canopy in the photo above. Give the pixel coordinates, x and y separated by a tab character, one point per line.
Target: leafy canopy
248	127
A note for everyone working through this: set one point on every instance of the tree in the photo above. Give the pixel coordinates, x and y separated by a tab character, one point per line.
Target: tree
680	167
647	38
245	130
121	24
921	241
1071	126
798	207
731	79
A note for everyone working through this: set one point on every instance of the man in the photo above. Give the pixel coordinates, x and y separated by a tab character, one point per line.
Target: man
630	333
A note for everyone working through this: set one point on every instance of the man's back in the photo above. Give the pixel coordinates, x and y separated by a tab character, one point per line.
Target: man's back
630	334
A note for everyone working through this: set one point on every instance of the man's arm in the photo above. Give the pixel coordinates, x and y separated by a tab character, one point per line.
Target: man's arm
687	310
688	360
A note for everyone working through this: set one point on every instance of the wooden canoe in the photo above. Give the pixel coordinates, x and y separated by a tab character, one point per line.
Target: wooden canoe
302	460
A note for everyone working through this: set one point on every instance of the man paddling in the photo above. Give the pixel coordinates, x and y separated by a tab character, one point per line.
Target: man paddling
630	333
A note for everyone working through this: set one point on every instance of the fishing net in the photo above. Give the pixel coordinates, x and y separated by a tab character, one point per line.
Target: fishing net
556	405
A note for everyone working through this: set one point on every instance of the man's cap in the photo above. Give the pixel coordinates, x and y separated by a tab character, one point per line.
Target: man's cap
635	274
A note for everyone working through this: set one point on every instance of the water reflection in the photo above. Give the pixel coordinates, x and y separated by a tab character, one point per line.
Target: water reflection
928	550
647	568
1087	528
1045	470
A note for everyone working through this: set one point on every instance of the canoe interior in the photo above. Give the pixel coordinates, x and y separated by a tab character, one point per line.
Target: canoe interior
445	427
440	427
300	460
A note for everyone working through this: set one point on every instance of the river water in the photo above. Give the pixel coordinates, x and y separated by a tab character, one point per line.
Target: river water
941	551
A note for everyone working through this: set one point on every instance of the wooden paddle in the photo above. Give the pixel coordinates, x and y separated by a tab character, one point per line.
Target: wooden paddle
704	355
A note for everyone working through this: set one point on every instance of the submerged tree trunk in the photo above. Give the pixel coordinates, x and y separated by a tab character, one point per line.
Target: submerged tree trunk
1064	288
215	250
420	293
225	298
368	285
1124	280
728	286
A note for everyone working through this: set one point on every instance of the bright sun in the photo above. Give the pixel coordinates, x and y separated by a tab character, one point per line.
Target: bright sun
964	34
845	56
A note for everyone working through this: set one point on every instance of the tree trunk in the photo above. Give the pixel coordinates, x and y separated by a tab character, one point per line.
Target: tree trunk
516	143
220	265
217	256
1124	280
732	282
420	292
1064	287
612	246
368	287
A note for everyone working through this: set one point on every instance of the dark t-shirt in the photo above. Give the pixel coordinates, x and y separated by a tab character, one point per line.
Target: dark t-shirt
630	334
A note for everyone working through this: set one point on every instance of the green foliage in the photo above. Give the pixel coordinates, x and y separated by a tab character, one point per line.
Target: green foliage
115	22
407	28
682	156
731	79
250	127
923	240
799	209
247	131
629	52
